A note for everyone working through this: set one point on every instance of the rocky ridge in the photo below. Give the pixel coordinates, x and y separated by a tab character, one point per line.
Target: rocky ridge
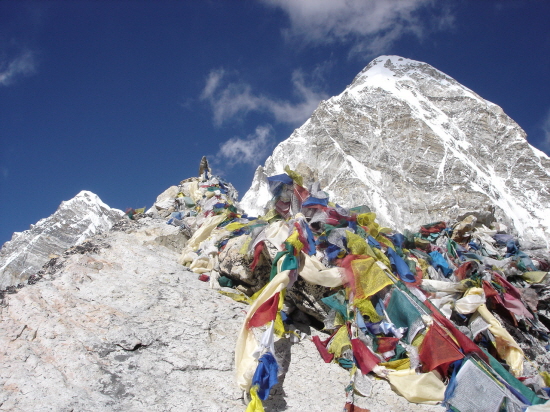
119	325
73	222
416	146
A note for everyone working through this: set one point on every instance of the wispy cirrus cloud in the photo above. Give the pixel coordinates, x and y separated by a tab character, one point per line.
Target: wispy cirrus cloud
24	64
251	150
368	26
212	83
235	99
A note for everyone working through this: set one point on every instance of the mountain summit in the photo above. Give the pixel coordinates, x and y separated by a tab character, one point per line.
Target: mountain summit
416	146
76	219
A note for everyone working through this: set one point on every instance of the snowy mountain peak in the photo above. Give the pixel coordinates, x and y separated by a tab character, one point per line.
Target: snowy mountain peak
417	146
395	66
387	66
74	220
85	196
401	76
385	70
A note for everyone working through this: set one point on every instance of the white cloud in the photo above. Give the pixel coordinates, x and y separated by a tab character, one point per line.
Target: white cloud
252	150
23	64
370	26
212	82
233	99
296	113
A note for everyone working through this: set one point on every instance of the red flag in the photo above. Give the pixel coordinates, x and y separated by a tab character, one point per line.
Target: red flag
438	350
465	343
322	348
265	313
464	270
350	407
300	193
386	344
257	252
364	357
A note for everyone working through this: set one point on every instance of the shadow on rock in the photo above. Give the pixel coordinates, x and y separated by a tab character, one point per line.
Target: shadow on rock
276	400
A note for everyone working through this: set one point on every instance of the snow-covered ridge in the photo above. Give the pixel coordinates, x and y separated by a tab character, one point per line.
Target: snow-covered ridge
74	221
417	146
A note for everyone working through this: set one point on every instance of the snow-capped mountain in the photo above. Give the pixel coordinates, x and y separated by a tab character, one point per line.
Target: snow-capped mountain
74	221
416	146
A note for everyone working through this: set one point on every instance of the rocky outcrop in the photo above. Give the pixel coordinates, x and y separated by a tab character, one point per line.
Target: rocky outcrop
118	325
236	265
73	222
416	146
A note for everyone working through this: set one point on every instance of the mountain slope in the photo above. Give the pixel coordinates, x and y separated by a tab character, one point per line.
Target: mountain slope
121	326
74	221
417	146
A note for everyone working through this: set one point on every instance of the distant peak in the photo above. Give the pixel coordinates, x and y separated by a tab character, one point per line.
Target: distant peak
86	193
88	198
394	59
390	62
394	68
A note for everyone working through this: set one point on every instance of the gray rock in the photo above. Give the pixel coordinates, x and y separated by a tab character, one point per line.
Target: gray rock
307	297
236	266
123	327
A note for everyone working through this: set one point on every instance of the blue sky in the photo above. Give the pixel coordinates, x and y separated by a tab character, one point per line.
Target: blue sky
123	98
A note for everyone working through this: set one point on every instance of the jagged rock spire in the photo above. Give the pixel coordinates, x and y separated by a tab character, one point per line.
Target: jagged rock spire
204	168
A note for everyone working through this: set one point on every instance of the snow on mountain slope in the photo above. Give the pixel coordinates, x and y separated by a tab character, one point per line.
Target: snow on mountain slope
417	146
74	221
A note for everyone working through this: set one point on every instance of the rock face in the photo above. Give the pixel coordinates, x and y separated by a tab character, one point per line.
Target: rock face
120	326
74	221
417	146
